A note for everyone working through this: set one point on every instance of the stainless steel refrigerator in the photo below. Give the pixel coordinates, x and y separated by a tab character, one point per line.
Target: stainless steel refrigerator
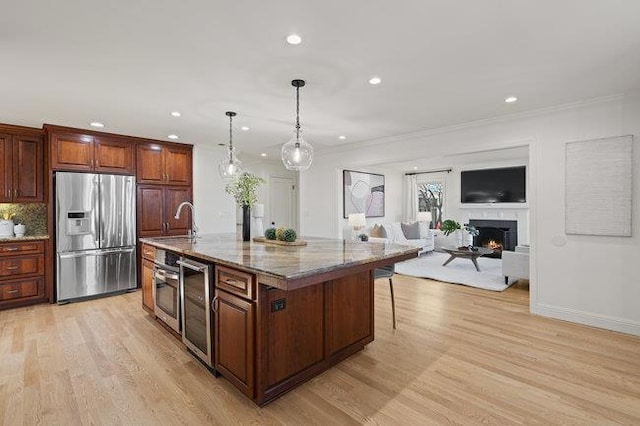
95	234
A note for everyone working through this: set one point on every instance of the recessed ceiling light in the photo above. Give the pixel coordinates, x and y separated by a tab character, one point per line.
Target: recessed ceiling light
415	167
342	137
172	136
375	80
96	124
176	114
245	128
294	39
263	155
511	99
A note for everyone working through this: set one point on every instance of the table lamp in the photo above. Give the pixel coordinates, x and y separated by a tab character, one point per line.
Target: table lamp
356	221
424	217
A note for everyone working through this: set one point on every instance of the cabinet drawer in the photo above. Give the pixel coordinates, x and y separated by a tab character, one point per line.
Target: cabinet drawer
22	288
12	249
22	265
148	252
236	282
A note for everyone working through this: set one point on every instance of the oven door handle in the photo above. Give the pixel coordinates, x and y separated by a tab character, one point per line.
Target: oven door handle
196	266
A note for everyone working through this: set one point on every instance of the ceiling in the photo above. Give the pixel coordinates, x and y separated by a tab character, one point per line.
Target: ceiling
129	64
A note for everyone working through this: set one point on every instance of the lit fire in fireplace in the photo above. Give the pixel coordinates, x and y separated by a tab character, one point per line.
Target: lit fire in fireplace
494	245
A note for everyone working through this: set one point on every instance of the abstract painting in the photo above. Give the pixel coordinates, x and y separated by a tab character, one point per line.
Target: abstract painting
363	193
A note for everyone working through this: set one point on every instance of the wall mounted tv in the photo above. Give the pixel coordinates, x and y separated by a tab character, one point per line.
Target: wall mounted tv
503	185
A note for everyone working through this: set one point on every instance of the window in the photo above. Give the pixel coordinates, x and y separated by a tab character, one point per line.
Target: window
431	199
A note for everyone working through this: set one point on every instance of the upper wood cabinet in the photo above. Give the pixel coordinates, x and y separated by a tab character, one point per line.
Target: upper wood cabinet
156	208
89	153
164	164
21	165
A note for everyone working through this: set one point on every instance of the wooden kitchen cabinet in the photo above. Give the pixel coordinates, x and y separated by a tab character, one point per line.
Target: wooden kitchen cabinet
22	173
147	285
90	153
164	164
157	205
234	340
22	273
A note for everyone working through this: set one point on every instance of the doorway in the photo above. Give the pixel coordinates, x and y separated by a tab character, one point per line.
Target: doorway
282	201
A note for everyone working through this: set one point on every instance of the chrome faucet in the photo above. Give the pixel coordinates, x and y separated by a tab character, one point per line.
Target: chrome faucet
194	229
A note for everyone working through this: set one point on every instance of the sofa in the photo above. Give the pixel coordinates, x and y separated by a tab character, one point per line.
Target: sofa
393	233
515	264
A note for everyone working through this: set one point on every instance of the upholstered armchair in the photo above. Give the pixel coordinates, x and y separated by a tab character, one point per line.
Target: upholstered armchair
515	264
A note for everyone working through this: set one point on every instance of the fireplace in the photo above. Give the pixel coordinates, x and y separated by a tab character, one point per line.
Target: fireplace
496	234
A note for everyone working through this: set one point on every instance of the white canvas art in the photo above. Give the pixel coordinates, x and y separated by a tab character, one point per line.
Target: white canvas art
598	179
363	193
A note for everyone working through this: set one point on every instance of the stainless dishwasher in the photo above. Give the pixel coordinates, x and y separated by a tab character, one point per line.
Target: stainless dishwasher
197	318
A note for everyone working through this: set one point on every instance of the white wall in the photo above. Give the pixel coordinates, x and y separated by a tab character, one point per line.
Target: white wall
585	279
215	209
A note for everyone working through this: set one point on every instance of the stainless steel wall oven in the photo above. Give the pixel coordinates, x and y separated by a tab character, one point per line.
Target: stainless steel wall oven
166	289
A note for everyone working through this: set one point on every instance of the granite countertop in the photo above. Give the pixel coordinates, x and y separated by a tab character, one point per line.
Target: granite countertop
320	255
25	238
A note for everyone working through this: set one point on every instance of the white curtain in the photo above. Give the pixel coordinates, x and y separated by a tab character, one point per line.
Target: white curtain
411	198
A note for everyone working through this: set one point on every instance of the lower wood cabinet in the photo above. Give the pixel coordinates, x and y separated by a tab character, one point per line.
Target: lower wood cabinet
147	285
234	340
22	273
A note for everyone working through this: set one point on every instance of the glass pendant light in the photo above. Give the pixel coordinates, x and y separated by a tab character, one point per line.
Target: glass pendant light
297	154
230	166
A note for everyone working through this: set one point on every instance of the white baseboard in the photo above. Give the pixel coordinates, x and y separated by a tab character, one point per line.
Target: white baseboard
587	318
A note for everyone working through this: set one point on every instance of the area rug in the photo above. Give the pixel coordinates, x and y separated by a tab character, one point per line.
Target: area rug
459	271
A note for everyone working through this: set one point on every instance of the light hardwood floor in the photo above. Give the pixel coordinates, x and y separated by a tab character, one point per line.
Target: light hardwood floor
459	356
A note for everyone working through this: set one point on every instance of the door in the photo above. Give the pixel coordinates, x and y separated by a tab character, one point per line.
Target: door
77	211
28	169
147	284
150	209
177	161
72	152
150	163
282	199
196	315
234	348
173	197
117	211
113	155
79	274
118	269
6	153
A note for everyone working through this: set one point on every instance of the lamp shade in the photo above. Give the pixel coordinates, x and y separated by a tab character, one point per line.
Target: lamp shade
424	217
297	154
357	220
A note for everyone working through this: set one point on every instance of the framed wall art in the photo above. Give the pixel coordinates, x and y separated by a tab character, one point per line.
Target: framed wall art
362	193
598	184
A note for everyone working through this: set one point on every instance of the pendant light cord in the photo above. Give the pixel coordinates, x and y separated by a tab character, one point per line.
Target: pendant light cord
230	139
297	116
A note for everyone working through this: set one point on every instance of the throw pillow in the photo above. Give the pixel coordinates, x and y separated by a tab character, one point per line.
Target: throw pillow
378	231
424	230
411	230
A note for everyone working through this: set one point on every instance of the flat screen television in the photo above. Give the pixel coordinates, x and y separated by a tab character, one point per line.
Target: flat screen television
503	185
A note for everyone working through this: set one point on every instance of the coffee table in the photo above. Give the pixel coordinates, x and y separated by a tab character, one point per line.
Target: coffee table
466	253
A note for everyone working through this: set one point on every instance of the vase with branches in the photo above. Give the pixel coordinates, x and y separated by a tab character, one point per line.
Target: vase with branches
244	189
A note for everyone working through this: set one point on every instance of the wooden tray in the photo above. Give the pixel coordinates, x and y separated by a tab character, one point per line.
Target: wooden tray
279	243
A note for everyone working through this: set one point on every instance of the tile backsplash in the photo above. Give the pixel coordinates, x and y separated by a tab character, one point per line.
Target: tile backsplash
32	215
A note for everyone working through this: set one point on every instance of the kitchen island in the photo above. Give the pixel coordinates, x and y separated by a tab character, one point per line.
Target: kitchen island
283	314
